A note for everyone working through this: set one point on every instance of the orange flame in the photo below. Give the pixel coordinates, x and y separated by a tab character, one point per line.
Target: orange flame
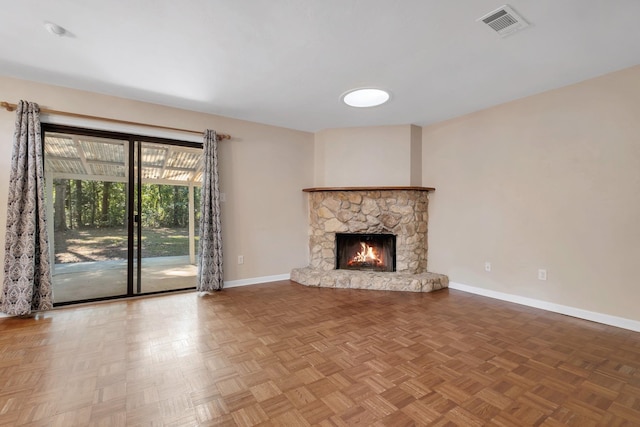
366	255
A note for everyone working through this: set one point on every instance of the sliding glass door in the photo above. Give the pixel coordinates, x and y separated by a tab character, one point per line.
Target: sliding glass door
121	213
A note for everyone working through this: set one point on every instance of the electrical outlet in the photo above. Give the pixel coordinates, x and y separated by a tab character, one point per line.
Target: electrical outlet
487	266
223	197
240	259
542	274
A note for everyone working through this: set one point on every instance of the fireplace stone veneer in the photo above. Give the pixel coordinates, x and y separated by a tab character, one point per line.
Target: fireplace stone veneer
401	211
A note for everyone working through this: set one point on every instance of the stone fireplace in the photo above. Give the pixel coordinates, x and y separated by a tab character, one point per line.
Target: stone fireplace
363	212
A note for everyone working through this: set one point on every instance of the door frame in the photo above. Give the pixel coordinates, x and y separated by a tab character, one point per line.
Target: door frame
134	181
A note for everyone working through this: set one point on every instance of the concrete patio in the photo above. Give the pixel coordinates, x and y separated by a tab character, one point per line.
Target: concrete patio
86	280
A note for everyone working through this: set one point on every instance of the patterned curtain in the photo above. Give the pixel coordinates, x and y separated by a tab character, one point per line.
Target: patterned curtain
27	274
210	277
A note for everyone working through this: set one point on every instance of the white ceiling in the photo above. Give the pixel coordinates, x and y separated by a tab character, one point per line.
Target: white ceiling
286	62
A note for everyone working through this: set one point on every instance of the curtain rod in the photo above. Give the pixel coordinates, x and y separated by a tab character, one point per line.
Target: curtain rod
11	107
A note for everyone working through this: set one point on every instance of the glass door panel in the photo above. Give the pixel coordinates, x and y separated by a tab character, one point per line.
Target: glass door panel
87	198
166	225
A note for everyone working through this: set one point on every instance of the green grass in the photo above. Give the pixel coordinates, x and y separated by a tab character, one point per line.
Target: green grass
105	244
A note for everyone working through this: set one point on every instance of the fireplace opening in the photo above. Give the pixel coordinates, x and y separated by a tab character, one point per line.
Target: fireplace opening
370	252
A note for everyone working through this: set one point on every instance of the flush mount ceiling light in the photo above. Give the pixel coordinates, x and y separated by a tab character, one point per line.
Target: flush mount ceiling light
365	97
55	29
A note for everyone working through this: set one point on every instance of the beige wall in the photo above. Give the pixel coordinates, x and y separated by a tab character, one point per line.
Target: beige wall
366	156
551	181
416	156
263	170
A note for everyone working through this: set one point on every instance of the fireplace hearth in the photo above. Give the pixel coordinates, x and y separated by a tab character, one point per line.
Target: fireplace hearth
365	252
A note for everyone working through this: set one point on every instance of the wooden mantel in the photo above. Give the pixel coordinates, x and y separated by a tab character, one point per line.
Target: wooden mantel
318	189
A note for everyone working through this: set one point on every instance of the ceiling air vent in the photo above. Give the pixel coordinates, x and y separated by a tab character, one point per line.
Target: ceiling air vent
504	21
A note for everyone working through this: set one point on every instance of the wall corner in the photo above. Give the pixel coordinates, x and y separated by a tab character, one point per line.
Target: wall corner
416	156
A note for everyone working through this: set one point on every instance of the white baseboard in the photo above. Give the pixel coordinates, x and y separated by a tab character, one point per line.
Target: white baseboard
256	280
593	316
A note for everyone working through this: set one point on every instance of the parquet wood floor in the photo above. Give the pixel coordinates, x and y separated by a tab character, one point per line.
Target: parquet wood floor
288	355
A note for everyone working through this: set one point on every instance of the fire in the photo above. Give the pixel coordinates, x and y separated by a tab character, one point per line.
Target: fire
366	256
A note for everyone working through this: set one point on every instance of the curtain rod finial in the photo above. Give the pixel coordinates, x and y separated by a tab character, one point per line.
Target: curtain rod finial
7	106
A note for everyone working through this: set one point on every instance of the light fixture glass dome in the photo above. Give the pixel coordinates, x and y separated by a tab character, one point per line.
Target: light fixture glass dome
366	97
